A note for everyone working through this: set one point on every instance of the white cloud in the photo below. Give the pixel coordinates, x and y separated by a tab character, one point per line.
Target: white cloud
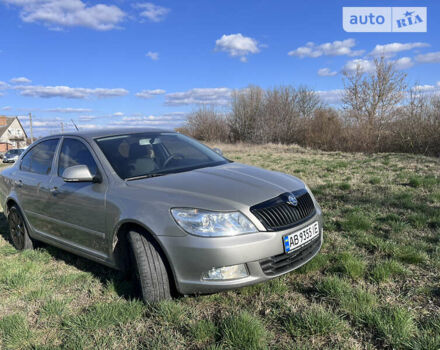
167	121
366	66
431	57
154	13
427	88
3	86
403	63
87	117
335	48
69	13
150	93
69	110
423	88
118	114
153	55
38	123
210	96
331	96
45	126
326	72
237	45
393	48
109	92
67	92
6	108
20	80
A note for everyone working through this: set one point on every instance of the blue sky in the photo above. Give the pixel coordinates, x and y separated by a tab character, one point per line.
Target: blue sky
130	63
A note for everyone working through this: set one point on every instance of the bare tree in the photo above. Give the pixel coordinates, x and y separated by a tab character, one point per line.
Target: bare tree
371	98
247	106
206	124
286	111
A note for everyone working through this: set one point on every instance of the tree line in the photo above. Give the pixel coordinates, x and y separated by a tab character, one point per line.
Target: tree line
378	113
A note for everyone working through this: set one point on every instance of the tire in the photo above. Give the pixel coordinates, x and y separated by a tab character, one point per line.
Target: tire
18	230
150	268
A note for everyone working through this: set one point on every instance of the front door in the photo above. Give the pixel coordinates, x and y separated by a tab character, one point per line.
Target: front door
78	208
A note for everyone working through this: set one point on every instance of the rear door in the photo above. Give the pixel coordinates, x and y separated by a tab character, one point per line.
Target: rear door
78	208
32	183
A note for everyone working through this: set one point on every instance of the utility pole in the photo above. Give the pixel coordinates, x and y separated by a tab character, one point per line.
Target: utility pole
62	127
30	123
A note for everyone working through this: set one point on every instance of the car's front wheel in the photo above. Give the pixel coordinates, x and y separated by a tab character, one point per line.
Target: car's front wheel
17	229
150	268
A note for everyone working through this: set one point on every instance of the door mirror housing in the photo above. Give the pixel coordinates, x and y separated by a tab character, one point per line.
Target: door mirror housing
78	173
218	151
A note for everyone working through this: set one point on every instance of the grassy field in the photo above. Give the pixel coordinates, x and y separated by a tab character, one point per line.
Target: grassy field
375	284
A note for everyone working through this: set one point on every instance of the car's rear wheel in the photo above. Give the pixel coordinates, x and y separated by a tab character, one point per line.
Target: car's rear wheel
149	267
18	231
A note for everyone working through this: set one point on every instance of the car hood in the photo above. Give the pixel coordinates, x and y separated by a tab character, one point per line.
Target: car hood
231	183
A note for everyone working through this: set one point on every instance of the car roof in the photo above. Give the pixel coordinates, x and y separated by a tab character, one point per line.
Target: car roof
96	133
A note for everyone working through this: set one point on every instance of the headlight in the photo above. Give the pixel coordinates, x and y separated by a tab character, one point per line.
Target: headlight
211	223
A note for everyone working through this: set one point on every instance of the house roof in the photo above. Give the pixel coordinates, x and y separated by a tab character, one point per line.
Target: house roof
9	121
5	127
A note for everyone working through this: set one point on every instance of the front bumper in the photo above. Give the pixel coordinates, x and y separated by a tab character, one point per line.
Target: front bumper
191	256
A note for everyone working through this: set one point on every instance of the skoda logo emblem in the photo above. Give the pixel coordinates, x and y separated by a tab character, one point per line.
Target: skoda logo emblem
292	200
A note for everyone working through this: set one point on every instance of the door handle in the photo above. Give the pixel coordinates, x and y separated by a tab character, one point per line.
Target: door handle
54	190
18	183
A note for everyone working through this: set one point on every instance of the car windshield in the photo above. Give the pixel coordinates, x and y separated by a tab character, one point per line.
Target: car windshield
156	153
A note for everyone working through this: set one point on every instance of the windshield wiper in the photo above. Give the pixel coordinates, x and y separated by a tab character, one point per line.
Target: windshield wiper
145	176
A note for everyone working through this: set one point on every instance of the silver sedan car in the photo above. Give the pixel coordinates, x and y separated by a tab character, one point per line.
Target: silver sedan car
12	155
175	213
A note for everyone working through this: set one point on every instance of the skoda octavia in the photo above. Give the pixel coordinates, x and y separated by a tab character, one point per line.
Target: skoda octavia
159	204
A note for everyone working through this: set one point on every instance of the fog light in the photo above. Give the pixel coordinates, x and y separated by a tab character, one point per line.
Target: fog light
226	273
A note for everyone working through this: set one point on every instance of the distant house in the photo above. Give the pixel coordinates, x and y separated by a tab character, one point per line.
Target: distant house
12	134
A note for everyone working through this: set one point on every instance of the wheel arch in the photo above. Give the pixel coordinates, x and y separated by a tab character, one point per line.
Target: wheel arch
120	247
9	203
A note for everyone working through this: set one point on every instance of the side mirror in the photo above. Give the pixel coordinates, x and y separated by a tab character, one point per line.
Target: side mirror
218	151
78	173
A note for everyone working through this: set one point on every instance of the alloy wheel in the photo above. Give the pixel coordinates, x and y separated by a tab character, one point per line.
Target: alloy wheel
17	229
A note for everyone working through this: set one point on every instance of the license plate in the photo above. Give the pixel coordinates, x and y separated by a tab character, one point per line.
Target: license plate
297	239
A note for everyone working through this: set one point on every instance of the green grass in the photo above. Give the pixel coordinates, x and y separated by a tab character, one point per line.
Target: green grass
375	180
394	325
356	221
243	331
384	270
105	314
349	265
374	284
427	181
203	332
314	321
15	331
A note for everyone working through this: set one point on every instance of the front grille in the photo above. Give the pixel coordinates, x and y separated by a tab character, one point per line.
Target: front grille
288	261
276	214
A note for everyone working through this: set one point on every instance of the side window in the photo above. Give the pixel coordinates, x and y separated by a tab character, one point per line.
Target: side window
39	159
74	152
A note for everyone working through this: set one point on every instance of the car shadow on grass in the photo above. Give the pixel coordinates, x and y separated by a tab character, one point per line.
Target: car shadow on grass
122	283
